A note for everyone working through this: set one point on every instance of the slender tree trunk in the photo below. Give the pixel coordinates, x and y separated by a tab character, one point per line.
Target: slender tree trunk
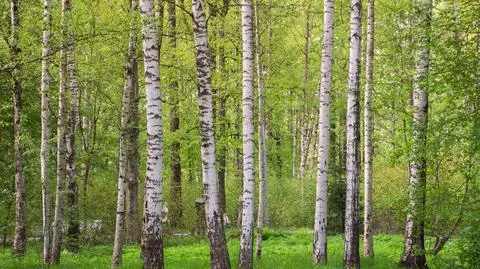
61	144
73	231
305	122
175	166
351	258
245	259
414	246
320	226
129	94
222	111
20	240
262	147
368	136
152	238
219	258
132	132
45	119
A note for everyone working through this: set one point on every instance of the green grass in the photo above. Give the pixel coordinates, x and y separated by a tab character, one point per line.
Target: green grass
288	249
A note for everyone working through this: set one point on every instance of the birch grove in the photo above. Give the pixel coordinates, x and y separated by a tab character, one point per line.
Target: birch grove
219	258
351	258
321	219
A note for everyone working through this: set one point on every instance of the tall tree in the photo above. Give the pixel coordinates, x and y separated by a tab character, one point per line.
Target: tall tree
175	166
351	258
61	142
245	259
45	119
132	131
219	258
152	238
129	93
414	246
20	240
222	111
368	133
262	147
320	226
73	231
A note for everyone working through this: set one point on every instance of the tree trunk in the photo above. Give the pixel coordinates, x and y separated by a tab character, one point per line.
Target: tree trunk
368	136
262	147
175	166
320	226
219	258
245	259
222	111
73	231
45	120
20	240
152	238
351	258
61	144
305	121
129	96
414	246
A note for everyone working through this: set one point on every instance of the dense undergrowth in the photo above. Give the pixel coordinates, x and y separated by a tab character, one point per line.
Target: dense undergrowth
289	249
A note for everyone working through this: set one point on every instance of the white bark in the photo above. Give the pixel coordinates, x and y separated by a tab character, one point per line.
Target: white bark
245	259
351	257
368	133
128	95
61	146
262	147
321	212
152	239
219	258
414	249
45	120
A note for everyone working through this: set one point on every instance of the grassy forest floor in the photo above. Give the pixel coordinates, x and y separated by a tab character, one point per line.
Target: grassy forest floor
289	249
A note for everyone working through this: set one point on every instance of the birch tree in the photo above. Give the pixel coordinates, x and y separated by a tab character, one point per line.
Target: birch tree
219	258
175	166
414	245
320	226
245	259
61	143
368	133
128	95
351	258
73	231
152	238
262	147
20	240
45	121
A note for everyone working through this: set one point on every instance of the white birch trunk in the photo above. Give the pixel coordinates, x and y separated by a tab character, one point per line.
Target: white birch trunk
245	259
19	241
351	258
128	95
45	120
414	248
61	147
262	147
320	225
368	136
152	238
219	258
